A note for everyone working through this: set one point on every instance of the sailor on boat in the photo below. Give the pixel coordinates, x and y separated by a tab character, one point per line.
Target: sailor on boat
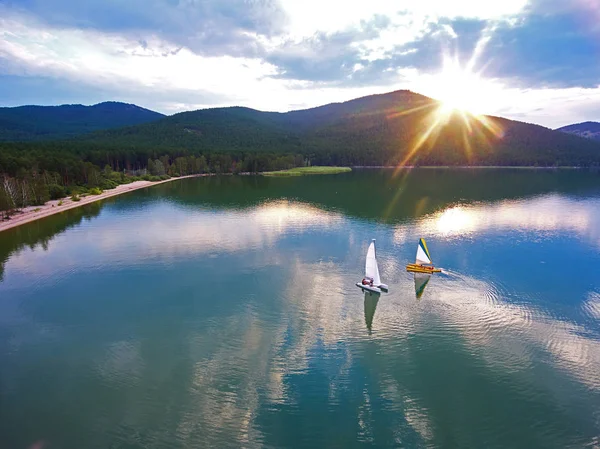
423	262
371	281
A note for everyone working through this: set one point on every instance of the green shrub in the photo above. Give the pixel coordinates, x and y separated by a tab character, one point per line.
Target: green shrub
164	177
95	191
37	209
146	177
108	184
60	203
75	197
116	177
56	191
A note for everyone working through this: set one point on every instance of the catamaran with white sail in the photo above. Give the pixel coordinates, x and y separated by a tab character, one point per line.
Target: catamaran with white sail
372	282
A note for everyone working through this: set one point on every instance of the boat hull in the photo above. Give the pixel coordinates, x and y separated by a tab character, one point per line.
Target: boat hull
368	288
414	268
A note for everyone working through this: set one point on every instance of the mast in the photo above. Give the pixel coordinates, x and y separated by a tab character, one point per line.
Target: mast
423	256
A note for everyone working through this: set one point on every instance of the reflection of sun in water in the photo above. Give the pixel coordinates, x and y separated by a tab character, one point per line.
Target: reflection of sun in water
455	220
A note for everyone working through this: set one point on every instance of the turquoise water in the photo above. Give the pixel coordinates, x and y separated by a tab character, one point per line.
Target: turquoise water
222	312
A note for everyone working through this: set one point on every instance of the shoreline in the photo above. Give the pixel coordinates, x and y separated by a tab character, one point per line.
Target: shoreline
307	171
33	213
468	167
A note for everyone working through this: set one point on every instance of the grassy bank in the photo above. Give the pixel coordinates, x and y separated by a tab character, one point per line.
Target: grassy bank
301	171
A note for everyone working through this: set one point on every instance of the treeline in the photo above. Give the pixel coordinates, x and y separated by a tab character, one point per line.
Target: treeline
29	123
390	129
35	187
32	174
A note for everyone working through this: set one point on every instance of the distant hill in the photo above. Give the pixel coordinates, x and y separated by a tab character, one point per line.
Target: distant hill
589	130
34	123
374	130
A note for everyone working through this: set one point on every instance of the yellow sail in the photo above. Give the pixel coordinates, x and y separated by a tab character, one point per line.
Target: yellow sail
423	262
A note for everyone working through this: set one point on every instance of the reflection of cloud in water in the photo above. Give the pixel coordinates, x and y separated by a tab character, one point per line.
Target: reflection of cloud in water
246	359
592	306
507	331
542	214
122	363
262	356
224	394
142	236
251	356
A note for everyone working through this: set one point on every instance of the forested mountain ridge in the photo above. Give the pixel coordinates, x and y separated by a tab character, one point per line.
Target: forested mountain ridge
386	129
398	128
589	130
35	123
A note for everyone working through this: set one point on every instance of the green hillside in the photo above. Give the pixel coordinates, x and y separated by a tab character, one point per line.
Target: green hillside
390	129
375	130
589	130
35	123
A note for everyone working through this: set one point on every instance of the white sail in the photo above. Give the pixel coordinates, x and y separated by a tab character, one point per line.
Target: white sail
371	269
422	257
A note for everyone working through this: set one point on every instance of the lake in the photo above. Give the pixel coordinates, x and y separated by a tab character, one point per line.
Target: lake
222	312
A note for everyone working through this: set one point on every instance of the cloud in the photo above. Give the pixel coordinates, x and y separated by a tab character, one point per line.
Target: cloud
209	28
547	49
40	90
174	55
327	57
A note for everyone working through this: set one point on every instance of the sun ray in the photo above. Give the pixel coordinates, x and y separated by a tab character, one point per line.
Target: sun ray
468	149
399	191
466	121
421	140
411	111
491	126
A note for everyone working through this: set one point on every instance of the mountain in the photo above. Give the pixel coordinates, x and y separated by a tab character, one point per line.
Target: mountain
397	127
590	130
27	123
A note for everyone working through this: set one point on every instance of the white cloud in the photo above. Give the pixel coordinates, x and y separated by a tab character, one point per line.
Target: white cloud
162	74
549	213
224	231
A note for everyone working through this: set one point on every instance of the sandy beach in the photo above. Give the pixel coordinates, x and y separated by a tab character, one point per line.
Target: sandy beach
32	213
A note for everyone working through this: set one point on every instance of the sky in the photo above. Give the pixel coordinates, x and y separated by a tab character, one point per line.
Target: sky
536	61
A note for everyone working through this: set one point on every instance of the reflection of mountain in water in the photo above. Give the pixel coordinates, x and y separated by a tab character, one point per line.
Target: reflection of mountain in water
43	231
367	194
378	194
421	280
371	300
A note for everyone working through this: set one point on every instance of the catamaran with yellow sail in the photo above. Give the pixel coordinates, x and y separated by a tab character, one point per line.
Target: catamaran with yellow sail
423	263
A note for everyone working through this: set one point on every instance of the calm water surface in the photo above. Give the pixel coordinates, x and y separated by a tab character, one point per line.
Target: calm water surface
222	312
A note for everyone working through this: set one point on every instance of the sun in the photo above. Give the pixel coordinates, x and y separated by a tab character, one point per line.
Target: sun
462	94
459	88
